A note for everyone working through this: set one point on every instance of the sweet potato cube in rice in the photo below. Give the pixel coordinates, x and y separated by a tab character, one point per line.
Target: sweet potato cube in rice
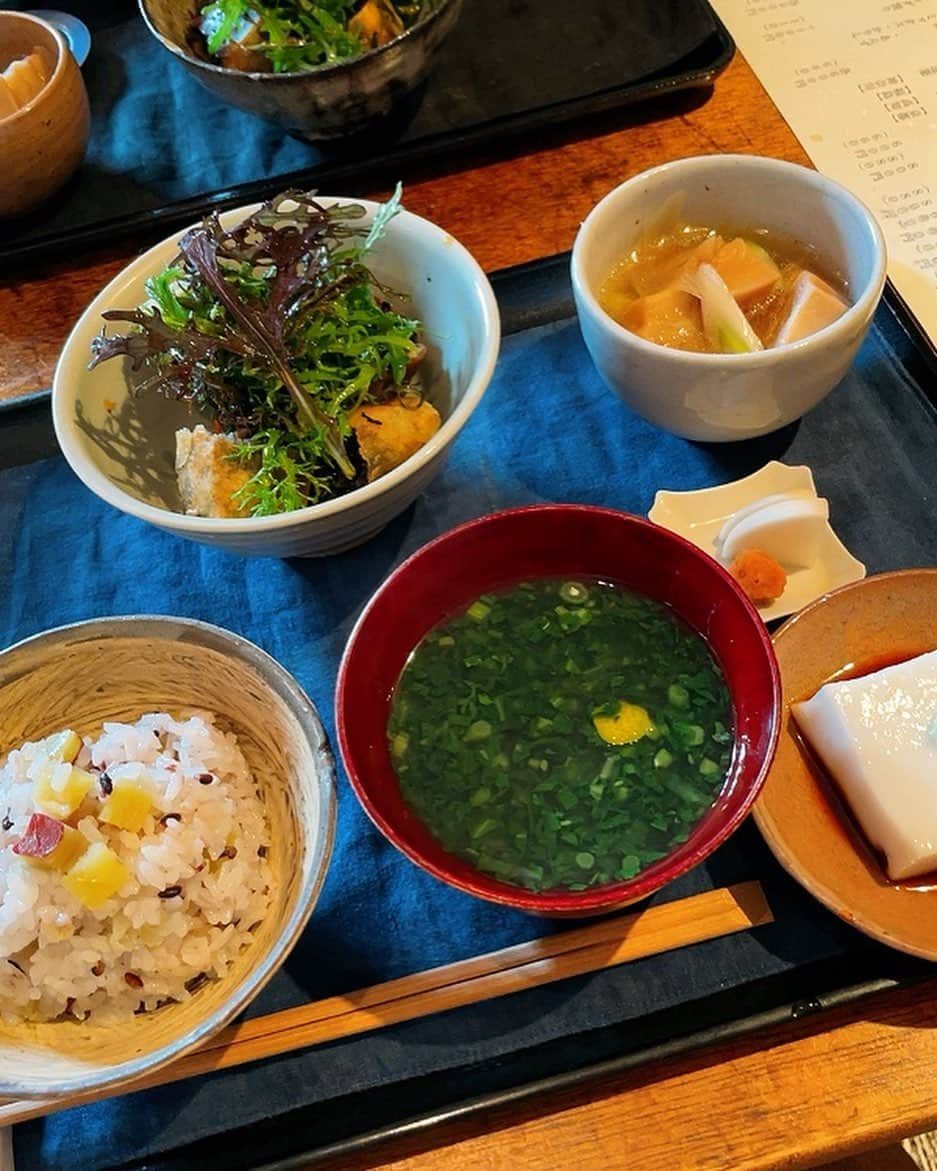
128	804
207	476
50	844
63	745
388	433
61	799
97	876
67	852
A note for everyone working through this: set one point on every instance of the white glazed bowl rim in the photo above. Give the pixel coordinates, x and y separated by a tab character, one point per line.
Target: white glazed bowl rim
103	486
855	316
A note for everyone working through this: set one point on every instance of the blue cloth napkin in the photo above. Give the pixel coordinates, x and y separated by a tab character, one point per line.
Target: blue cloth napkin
547	430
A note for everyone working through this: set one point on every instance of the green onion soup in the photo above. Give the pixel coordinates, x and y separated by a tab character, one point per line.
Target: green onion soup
561	734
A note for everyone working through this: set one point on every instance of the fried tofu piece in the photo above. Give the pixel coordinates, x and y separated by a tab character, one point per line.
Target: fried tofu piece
747	269
207	477
388	433
670	318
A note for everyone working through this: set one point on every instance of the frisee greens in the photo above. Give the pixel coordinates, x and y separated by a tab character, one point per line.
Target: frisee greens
493	735
293	36
277	331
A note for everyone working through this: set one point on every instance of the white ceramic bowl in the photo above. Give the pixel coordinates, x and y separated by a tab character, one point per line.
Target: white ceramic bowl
122	446
730	396
120	668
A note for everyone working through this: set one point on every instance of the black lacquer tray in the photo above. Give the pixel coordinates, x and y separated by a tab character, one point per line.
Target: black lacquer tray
870	446
163	149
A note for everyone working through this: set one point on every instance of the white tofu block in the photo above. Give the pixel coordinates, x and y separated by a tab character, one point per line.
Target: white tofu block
877	735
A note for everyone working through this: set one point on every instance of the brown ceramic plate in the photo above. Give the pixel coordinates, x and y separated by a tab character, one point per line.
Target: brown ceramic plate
803	819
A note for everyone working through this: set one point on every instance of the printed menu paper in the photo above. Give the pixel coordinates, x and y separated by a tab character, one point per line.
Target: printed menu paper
857	83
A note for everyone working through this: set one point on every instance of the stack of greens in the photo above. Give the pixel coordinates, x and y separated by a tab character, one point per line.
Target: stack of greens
290	37
277	331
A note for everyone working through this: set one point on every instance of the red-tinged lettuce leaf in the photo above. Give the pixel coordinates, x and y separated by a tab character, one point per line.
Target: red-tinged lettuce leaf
300	249
180	362
261	325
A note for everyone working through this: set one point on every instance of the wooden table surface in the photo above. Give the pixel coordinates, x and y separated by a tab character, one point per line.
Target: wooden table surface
792	1097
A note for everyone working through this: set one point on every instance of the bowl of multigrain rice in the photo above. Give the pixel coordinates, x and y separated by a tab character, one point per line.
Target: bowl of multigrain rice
167	811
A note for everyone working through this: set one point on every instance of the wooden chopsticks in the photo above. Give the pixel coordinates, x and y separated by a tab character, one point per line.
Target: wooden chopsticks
513	969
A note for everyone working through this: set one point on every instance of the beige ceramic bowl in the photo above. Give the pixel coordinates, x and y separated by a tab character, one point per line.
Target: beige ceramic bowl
42	143
108	668
805	822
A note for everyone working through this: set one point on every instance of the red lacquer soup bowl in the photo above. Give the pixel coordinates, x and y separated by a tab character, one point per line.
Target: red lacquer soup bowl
494	553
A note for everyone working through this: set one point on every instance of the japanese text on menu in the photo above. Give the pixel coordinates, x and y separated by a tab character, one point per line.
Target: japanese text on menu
857	83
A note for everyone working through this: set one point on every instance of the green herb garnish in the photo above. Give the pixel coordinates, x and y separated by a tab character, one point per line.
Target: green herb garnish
277	331
289	37
495	733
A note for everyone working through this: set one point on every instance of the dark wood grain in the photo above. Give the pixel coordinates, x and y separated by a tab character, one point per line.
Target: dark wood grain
789	1097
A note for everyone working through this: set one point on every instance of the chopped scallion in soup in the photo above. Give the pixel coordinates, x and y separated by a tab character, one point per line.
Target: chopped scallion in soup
562	733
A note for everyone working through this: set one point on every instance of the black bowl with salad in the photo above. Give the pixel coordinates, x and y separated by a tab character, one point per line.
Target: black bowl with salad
322	69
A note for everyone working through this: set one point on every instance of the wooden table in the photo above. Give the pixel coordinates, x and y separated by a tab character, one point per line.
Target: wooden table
850	1080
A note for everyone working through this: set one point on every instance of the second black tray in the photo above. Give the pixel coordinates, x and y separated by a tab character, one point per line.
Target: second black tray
163	149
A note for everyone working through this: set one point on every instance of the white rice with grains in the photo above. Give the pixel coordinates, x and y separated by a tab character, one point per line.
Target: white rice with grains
199	877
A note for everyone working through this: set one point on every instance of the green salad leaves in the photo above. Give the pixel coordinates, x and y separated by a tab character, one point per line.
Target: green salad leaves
277	330
289	37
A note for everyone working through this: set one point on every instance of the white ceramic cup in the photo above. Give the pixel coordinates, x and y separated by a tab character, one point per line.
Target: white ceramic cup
720	397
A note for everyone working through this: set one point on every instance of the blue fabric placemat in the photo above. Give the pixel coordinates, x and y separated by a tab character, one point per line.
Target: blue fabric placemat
158	136
65	556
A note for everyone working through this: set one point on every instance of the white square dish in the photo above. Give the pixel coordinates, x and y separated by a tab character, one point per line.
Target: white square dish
698	516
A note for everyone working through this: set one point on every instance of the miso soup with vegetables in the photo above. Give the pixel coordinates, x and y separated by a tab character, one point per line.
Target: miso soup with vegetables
562	733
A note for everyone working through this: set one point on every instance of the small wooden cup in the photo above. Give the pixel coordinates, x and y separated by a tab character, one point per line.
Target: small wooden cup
42	143
120	668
